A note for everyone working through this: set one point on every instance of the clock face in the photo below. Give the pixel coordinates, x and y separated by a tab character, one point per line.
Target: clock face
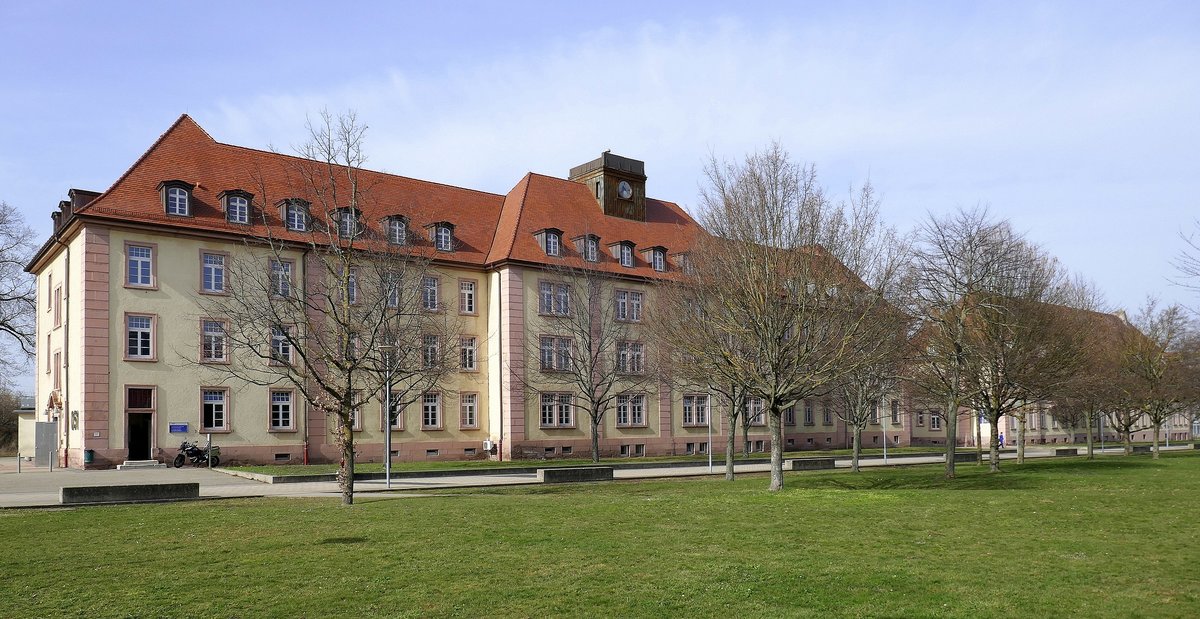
624	190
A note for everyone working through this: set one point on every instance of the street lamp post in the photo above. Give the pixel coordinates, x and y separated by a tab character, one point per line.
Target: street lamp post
387	349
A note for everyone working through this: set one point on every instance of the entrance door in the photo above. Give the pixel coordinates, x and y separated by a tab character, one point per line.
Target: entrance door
140	428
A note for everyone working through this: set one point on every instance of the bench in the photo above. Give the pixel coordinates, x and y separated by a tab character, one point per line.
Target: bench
137	493
1195	445
563	475
966	456
1074	451
808	464
1142	449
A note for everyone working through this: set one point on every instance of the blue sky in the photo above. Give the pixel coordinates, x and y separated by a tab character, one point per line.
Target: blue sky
1077	121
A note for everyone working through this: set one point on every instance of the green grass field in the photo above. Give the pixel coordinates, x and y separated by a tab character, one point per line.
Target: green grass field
1116	537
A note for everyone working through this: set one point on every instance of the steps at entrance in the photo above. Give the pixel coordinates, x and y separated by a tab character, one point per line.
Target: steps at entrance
140	464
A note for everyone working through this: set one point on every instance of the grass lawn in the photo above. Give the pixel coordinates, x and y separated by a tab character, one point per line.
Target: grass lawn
1115	537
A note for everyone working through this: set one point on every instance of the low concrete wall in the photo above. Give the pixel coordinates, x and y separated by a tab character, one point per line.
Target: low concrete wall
82	495
1067	452
1143	449
1195	445
969	456
559	475
808	464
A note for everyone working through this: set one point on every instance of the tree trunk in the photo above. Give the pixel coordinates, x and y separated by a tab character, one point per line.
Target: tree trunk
776	428
595	439
1091	440
1157	430
746	436
857	448
1021	439
345	475
979	437
951	434
1128	440
994	445
730	447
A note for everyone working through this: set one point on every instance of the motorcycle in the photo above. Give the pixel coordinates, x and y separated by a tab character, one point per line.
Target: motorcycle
199	456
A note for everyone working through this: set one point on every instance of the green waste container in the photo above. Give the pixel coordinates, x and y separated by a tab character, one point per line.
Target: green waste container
89	456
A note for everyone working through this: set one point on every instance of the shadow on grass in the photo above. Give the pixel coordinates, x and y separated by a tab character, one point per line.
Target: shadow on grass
1032	475
343	540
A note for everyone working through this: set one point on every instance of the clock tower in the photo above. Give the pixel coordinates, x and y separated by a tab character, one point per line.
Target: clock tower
618	184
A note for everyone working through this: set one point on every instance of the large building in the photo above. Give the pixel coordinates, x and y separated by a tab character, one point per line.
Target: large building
123	368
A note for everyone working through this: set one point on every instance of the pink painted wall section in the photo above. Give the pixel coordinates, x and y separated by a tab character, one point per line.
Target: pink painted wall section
97	327
512	355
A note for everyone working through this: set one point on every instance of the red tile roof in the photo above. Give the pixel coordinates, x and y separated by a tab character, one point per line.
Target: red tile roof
489	228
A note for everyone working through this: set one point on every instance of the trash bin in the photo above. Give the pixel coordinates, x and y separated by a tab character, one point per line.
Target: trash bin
89	456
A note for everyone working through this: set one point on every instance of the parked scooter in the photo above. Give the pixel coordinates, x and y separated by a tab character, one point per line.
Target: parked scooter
198	456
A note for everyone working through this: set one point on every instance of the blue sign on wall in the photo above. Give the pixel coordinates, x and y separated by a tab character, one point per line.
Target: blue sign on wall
178	428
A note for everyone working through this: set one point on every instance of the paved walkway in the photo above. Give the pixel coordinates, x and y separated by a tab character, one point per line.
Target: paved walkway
38	487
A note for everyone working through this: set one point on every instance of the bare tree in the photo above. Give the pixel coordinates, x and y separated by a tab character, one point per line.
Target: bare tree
324	304
592	343
1094	388
785	316
1156	360
18	298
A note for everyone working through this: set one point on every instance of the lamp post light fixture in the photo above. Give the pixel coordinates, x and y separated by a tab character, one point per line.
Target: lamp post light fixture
387	350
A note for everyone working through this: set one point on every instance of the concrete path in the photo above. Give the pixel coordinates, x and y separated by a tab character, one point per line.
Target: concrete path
38	487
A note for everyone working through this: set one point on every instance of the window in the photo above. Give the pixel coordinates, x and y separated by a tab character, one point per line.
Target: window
631	357
212	273
827	414
397	230
468	410
754	411
352	287
139	266
281	278
695	410
58	302
139	341
281	345
626	255
875	412
557	410
554	299
468	353
808	413
591	249
789	415
391	284
214	410
631	410
895	412
213	341
347	223
555	353
431	411
629	305
553	243
177	201
920	418
296	216
46	356
660	260
935	420
397	410
431	351
237	209
56	372
281	411
430	299
443	237
139	398
466	296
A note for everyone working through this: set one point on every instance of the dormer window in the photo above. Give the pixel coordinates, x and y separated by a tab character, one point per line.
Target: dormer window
177	197
660	260
442	235
346	220
550	240
588	246
623	252
295	215
397	230
237	206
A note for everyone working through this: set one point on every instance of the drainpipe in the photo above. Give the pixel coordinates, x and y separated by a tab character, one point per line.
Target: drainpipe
304	291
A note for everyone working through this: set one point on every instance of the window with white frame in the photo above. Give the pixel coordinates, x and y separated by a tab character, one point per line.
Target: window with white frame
444	237
695	410
631	357
214	410
626	255
347	223
631	410
212	278
468	410
553	243
660	260
281	345
431	411
391	287
431	351
754	411
397	230
808	413
237	209
178	202
920	418
397	417
430	297
557	410
895	412
466	296
875	412
352	287
213	342
139	330
468	353
935	420
281	410
591	249
789	415
139	265
827	413
554	299
281	278
296	216
554	353
629	305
